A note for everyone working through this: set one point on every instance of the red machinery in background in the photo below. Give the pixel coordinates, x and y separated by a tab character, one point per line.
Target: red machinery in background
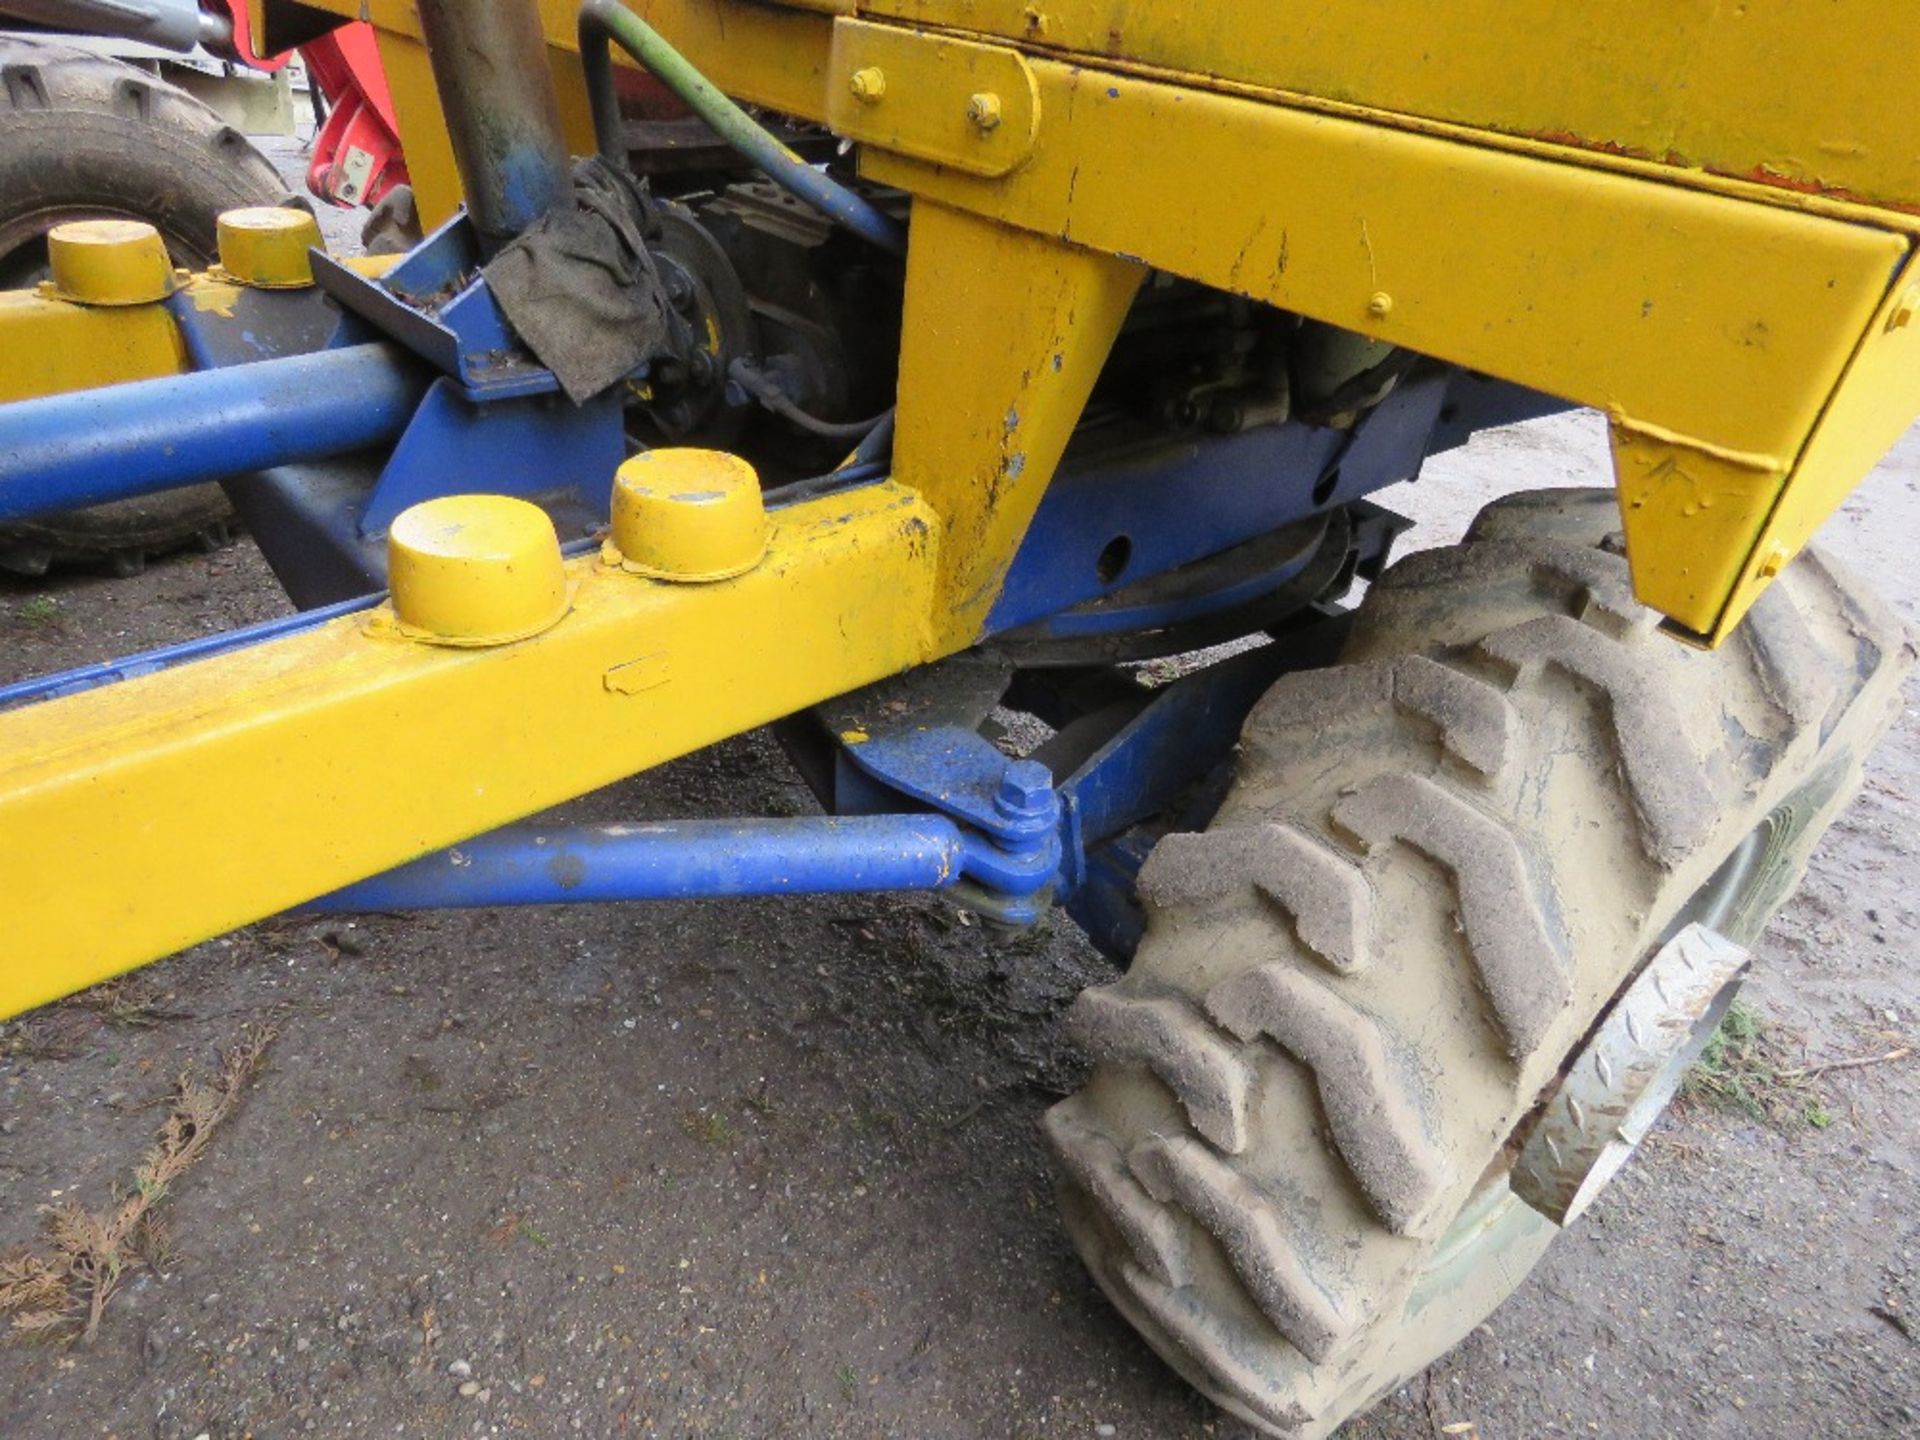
356	154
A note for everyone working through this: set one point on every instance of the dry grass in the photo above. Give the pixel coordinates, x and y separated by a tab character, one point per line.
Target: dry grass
126	1005
60	1292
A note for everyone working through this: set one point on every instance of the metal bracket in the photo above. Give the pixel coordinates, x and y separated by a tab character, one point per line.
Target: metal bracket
528	445
223	324
958	103
1011	802
436	304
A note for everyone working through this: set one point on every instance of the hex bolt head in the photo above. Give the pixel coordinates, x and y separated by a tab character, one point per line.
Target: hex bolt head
983	111
1026	788
868	84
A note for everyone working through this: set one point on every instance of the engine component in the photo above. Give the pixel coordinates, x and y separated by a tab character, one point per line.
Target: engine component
684	398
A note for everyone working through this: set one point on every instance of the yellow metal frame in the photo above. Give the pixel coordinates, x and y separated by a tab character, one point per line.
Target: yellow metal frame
1506	184
1616	204
1694	85
51	347
1714	332
142	817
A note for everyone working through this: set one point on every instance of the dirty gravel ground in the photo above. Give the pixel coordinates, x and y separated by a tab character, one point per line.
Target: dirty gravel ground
771	1169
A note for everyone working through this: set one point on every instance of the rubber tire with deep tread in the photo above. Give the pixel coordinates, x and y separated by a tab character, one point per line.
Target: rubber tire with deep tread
1439	863
81	136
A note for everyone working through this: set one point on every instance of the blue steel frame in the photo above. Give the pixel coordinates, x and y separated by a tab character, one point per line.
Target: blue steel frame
703	859
337	419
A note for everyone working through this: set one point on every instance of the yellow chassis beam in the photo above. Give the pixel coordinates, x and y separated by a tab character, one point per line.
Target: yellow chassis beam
50	346
145	816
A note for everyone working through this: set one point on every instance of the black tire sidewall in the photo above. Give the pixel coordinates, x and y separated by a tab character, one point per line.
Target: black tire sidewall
112	140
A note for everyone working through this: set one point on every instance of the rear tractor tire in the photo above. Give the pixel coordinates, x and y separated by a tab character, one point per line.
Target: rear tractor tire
85	137
1440	864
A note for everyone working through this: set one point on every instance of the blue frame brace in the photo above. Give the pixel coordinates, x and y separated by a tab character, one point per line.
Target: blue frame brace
699	859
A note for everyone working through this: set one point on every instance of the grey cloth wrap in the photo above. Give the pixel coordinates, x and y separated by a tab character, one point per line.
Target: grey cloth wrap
581	288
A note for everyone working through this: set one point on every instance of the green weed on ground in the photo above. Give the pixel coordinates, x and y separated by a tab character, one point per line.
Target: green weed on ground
1745	1070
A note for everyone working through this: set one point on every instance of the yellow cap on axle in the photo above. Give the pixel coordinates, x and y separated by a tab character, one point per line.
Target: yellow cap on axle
110	262
475	570
266	247
692	516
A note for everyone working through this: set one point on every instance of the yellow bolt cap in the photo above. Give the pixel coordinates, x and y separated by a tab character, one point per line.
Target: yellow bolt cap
868	84
689	515
983	110
110	262
475	570
266	247
1902	313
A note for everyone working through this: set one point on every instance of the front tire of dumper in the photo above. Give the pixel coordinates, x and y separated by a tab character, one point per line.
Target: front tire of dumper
86	137
1441	862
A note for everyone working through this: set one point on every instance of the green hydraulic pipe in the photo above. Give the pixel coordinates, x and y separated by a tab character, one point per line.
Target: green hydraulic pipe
602	21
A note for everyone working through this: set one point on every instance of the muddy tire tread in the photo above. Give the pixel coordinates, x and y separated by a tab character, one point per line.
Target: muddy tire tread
1256	1243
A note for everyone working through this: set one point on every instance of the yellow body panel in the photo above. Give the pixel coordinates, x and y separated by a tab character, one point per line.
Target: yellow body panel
1723	321
1813	93
1622	204
1713	330
1872	408
148	815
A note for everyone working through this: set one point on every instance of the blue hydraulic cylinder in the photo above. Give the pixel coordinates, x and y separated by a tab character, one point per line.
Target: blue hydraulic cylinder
62	452
673	860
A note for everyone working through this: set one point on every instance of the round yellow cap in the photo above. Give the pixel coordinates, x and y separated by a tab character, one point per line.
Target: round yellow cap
266	246
475	570
110	262
689	515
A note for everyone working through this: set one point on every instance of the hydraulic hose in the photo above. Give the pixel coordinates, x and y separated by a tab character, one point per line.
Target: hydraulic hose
764	388
604	21
875	447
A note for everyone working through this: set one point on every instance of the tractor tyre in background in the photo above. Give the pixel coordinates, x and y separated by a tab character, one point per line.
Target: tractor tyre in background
1440	864
83	136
